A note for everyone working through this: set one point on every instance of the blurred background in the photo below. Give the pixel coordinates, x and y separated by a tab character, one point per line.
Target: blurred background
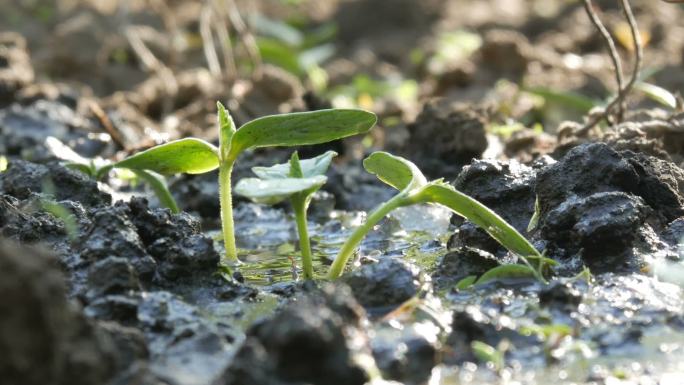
507	69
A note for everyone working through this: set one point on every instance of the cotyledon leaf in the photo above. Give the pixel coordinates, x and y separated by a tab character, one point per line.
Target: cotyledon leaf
480	215
190	155
272	191
301	128
394	170
310	167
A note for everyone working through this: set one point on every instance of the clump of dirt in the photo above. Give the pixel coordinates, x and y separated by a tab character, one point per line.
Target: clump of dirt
317	339
46	338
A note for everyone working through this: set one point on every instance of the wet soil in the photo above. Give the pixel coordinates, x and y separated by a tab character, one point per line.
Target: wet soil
111	288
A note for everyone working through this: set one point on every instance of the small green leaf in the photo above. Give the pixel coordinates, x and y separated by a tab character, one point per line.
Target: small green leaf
301	128
295	166
479	214
394	170
226	129
570	99
161	190
487	353
271	191
87	169
192	156
511	271
310	167
658	94
3	163
466	282
534	221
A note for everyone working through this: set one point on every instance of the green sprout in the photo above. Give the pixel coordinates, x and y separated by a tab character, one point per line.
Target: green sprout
413	189
296	180
195	156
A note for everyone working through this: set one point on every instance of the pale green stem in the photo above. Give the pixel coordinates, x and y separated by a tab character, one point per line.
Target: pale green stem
299	207
357	236
226	201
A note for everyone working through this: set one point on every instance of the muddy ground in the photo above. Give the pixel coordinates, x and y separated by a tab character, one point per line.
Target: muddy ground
99	284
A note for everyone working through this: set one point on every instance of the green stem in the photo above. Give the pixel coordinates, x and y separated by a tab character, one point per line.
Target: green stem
226	201
357	236
299	207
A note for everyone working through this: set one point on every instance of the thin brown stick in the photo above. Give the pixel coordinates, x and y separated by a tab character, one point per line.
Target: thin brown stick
208	44
223	34
246	36
622	93
610	43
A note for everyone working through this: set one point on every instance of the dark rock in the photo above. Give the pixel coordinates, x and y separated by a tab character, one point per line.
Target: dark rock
112	234
462	262
28	227
602	225
190	255
23	178
661	184
561	295
448	133
386	284
113	275
120	308
507	52
472	324
25	128
46	339
16	70
505	187
153	224
183	342
585	170
307	342
405	355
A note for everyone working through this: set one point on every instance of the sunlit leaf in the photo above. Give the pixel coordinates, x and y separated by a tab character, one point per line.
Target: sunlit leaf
480	215
394	170
466	282
301	128
272	191
658	94
192	156
310	167
511	271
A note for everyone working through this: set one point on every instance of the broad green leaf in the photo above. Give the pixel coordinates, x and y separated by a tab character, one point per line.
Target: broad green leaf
511	271
272	191
192	156
310	167
394	170
466	282
658	94
301	128
226	129
161	190
480	215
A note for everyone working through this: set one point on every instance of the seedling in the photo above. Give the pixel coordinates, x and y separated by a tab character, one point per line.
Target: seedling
296	180
195	156
414	188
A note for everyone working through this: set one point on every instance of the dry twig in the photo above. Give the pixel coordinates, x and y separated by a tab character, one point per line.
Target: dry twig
624	91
